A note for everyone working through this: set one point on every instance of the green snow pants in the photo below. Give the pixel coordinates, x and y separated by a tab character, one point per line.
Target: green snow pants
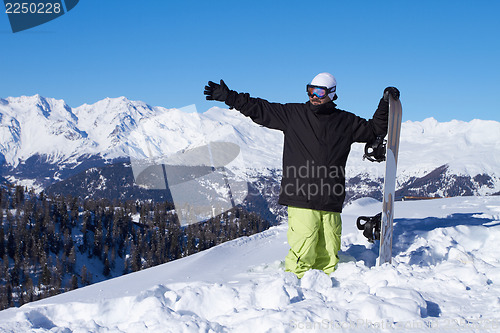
314	239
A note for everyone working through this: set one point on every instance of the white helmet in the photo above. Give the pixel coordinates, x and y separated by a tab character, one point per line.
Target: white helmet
326	80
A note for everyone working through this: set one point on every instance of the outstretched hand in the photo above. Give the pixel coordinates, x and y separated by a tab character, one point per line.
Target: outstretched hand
393	91
216	92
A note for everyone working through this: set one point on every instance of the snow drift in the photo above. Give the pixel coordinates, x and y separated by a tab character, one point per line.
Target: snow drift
445	276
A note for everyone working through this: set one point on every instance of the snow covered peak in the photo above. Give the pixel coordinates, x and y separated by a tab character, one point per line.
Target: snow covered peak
467	147
109	122
111	111
476	131
38	105
35	124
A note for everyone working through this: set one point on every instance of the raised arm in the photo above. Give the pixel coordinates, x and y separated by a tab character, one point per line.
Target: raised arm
369	130
262	112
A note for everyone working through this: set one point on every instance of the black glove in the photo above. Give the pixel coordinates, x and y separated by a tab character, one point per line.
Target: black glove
216	92
393	91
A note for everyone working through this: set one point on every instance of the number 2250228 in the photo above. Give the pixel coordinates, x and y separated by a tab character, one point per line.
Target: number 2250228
32	8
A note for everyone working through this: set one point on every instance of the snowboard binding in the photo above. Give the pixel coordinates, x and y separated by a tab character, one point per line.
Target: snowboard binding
371	227
375	151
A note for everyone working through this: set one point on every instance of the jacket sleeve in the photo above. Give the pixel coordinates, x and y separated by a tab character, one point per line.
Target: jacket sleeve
262	112
368	130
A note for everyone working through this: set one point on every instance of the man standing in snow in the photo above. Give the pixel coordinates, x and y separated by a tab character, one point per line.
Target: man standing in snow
317	141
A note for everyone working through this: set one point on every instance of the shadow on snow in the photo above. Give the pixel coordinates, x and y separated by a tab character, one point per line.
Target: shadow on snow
406	231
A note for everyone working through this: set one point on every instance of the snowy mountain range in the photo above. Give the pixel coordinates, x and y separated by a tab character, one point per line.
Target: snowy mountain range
44	141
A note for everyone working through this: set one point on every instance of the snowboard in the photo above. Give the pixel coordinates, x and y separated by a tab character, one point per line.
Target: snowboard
379	227
391	163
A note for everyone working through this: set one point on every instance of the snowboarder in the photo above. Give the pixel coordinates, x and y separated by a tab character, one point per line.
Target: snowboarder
317	141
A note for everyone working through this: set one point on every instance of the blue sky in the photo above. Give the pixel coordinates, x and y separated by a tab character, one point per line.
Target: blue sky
443	55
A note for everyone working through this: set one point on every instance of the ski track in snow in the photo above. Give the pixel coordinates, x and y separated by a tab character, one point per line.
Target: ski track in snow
445	276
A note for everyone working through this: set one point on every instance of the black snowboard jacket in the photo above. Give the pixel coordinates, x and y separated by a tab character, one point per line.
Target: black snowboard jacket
317	141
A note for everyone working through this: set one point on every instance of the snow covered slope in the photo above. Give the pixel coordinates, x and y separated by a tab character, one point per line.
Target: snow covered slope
445	276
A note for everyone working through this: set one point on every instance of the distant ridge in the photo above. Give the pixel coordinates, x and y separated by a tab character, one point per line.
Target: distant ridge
43	141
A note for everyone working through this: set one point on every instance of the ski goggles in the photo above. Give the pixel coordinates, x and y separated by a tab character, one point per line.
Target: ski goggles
319	91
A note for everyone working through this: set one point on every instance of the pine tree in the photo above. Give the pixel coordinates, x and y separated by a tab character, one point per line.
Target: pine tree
8	296
71	260
112	256
97	248
74	211
86	222
74	282
45	278
18	196
2	241
135	259
11	243
107	268
29	290
84	276
191	241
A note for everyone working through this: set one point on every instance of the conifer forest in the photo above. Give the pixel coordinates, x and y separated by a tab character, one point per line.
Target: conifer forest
51	244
